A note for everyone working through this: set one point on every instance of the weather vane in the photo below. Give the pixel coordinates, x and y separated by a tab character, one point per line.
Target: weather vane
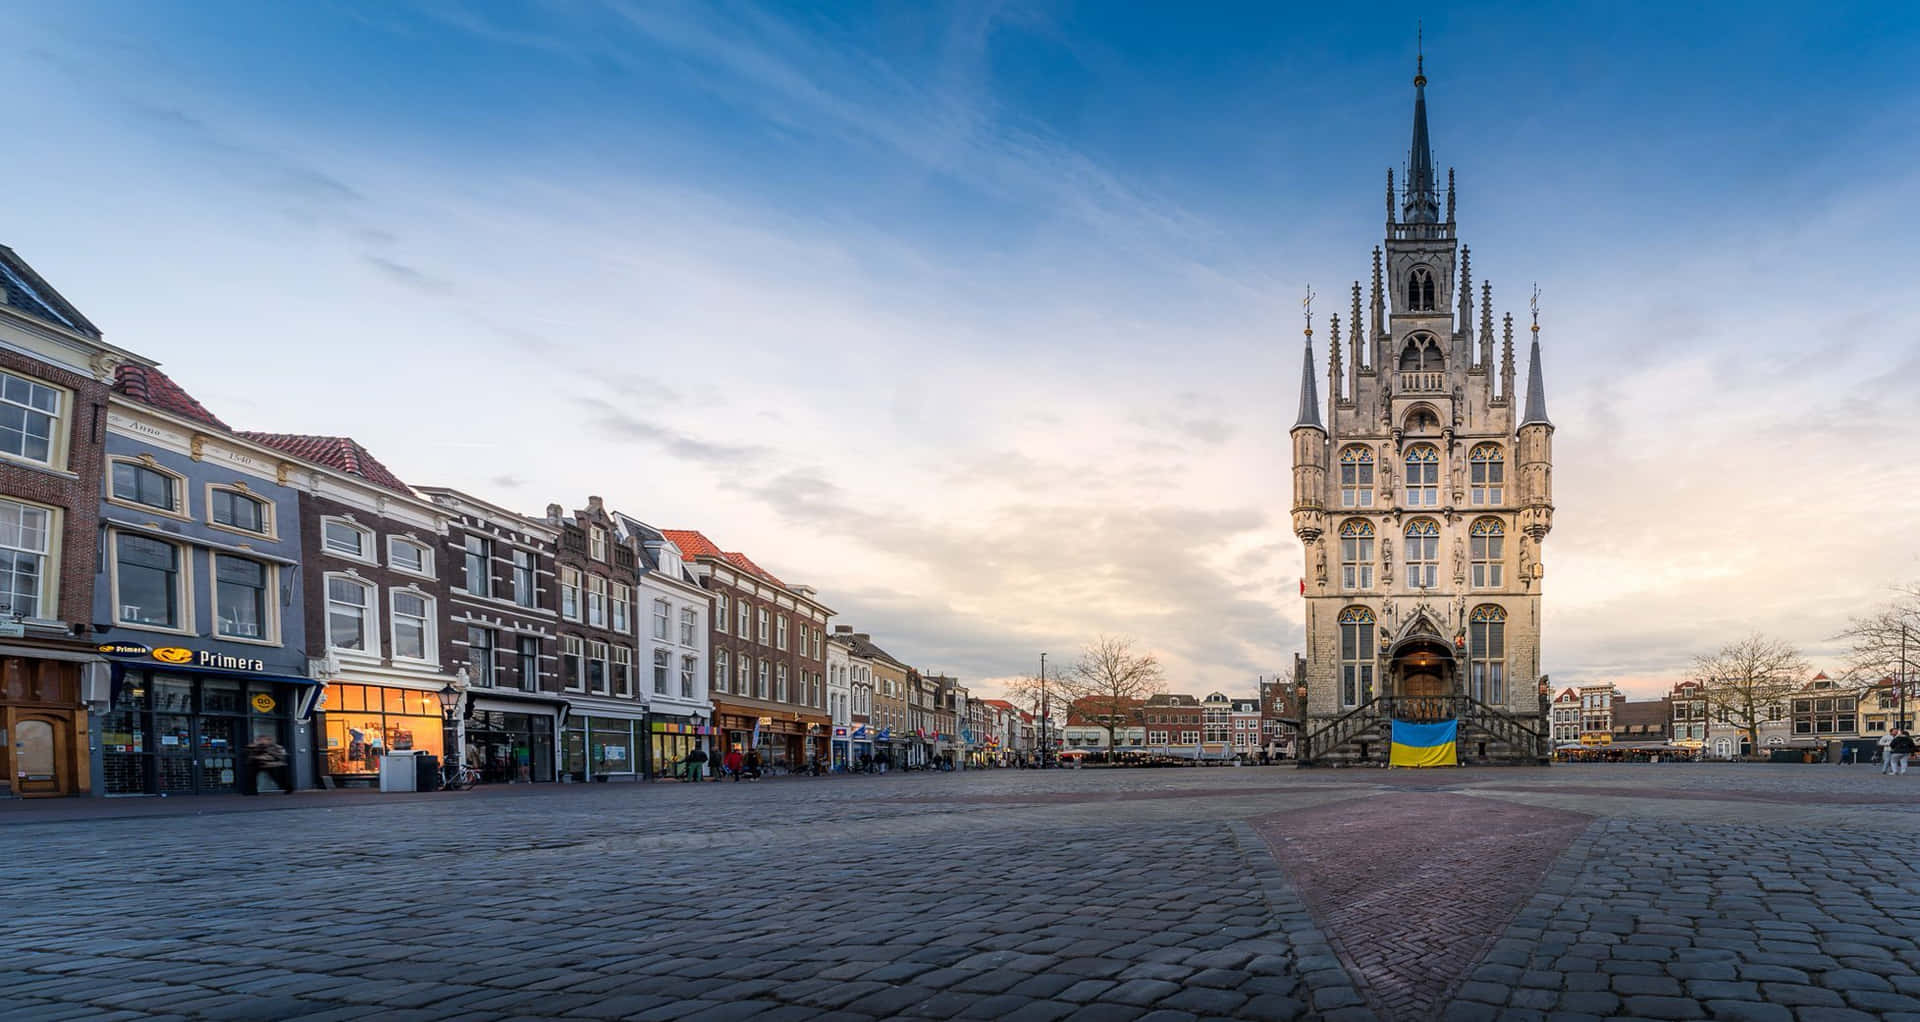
1535	305
1306	306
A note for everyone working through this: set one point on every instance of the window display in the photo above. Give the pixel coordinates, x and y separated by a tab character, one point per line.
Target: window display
364	722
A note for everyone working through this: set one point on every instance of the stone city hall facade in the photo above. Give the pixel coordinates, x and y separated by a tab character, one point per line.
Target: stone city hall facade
1422	497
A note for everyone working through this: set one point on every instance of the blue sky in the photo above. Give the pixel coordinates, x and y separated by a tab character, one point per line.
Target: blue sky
982	318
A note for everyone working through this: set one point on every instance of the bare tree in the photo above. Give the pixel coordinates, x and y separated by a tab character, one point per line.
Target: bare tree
1746	679
1108	682
1886	642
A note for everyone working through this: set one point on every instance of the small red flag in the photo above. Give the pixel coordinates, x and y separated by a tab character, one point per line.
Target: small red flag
1303	587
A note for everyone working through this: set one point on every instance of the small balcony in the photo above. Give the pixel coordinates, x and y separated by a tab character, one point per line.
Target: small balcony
1422	383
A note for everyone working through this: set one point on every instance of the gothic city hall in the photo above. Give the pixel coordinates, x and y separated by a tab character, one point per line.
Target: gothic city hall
1422	494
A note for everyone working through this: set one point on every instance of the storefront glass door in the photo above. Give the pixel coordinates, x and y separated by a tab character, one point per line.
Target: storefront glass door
219	750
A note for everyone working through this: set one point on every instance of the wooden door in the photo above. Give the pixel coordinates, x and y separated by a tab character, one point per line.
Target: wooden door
40	755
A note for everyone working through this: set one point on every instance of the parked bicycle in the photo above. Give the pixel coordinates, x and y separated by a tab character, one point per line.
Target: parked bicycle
458	777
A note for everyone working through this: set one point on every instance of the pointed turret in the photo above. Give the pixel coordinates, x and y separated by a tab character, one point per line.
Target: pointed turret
1466	303
1335	391
1536	414
1309	394
1423	198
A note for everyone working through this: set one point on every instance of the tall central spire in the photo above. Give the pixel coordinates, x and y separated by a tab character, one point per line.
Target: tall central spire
1423	196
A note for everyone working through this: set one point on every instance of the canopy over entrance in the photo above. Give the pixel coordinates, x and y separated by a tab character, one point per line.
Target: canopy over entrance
1422	673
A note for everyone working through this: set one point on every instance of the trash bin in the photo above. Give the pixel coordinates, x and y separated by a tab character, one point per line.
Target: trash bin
426	772
396	770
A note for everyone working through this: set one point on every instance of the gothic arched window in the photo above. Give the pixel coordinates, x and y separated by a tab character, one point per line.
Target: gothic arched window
1420	290
1423	476
1356	477
1487	653
1423	553
1487	540
1356	554
1489	474
1356	656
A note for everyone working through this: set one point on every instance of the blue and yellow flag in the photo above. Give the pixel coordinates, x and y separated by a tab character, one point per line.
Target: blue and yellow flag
1423	745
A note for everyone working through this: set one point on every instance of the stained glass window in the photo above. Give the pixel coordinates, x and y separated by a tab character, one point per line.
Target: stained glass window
1423	553
1487	545
1356	656
1487	654
1356	477
1356	554
1489	474
1423	476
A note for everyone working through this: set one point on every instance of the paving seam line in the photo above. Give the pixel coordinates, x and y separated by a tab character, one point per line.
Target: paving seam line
1290	911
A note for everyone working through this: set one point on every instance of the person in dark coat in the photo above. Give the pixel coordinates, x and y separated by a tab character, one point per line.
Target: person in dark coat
265	756
753	764
696	763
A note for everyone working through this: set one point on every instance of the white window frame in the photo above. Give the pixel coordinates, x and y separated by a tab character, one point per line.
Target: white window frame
620	671
760	683
570	593
597	601
47	597
689	627
597	543
57	424
370	619
662	621
780	692
744	679
746	618
366	554
486	673
622	600
576	647
270	603
662	667
598	653
182	582
429	637
720	621
720	669
689	671
780	632
426	557
763	622
529	595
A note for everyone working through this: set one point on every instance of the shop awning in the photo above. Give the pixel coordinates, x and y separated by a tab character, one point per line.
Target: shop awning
307	698
532	703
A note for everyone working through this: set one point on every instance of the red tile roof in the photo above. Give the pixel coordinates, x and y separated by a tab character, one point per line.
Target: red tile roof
694	543
339	452
150	386
746	564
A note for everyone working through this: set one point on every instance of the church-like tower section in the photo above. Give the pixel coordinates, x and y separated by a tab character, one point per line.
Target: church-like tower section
1422	498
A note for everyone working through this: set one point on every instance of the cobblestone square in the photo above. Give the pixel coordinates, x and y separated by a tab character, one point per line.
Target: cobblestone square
1676	891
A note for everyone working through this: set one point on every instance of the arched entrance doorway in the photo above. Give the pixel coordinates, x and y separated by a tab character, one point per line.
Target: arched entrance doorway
1422	674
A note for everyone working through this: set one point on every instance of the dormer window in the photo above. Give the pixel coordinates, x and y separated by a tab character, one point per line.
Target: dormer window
597	543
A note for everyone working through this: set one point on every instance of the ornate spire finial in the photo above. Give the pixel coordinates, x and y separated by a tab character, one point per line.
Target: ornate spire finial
1535	305
1449	194
1306	307
1389	194
1420	50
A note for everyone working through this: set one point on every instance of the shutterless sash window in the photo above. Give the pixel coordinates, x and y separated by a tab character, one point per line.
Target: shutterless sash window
687	619
24	542
410	619
596	601
660	664
148	577
573	662
478	564
662	619
746	676
138	484
760	687
349	613
597	668
524	588
529	663
28	412
746	617
570	593
240	598
238	511
622	671
780	692
480	656
720	670
344	538
622	606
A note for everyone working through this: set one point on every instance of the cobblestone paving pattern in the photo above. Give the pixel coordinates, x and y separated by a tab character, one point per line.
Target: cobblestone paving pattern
1088	895
1409	926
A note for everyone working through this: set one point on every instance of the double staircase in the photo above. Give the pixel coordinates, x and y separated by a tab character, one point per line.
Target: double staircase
1364	733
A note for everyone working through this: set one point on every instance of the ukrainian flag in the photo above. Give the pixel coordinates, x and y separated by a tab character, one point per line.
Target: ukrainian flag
1423	745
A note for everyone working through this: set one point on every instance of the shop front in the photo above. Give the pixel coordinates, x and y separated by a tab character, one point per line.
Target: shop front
184	730
43	719
842	748
673	737
600	747
361	724
861	744
510	741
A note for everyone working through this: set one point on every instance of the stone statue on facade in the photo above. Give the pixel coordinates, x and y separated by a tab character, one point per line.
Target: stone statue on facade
1386	561
1459	560
1320	563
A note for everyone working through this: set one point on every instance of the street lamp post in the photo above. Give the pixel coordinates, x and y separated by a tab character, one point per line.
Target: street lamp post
451	709
1903	675
1045	745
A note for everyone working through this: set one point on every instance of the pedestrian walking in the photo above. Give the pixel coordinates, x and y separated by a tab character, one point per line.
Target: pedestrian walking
866	763
696	763
753	764
734	765
265	756
1901	747
1885	753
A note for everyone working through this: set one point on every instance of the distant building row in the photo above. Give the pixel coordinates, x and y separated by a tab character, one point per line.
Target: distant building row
172	588
1823	711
